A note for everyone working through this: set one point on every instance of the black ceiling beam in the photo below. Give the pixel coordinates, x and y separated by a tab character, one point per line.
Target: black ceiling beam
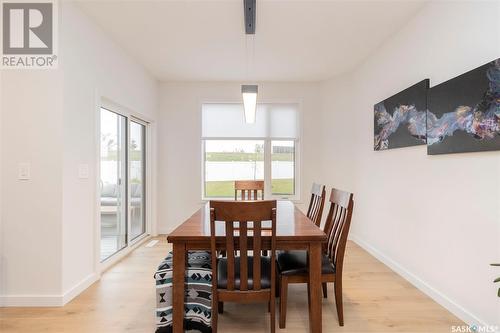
249	11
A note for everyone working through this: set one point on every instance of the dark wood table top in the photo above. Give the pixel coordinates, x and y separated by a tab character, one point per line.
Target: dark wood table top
291	225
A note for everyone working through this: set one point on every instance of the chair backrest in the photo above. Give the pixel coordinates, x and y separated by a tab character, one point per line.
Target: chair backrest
337	226
315	210
250	187
237	238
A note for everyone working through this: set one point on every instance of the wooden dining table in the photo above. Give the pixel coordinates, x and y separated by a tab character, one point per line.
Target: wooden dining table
294	231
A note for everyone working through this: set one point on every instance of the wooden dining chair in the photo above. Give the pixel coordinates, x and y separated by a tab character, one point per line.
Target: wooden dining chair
247	277
249	187
292	265
315	210
252	189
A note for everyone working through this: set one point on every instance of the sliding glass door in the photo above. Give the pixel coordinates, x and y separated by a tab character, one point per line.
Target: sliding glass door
137	155
123	175
113	183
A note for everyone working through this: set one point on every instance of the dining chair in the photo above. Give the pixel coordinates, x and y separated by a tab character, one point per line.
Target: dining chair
292	265
249	187
315	210
249	277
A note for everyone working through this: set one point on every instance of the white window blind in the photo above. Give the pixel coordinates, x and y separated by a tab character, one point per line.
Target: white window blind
228	121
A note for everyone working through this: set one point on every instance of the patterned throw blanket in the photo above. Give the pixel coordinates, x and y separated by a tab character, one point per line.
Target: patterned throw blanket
198	297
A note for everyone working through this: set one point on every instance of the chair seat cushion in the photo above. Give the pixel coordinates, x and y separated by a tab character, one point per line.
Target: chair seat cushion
265	272
295	263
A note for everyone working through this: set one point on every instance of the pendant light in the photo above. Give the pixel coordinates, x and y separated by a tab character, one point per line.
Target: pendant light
249	91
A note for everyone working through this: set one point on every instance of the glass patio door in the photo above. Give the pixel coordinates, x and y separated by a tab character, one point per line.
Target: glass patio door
113	200
137	157
123	181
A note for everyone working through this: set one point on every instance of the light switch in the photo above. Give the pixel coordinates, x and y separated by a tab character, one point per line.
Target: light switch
83	171
24	171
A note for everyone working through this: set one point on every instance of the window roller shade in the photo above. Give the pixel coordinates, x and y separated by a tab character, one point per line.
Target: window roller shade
228	121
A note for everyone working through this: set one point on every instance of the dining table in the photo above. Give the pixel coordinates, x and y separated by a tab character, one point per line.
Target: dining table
294	231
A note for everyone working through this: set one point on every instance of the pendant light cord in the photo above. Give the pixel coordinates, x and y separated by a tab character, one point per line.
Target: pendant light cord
246	58
249	59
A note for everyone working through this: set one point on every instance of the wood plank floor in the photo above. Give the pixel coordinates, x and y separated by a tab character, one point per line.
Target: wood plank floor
375	300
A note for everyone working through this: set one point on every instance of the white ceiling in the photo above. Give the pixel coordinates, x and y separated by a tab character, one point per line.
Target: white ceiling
294	41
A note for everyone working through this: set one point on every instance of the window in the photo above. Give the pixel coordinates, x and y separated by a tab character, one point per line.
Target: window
230	160
283	167
234	150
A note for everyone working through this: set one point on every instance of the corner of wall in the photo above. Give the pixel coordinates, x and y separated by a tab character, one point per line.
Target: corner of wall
420	284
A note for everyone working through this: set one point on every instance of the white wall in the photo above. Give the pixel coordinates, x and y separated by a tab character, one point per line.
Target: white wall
434	219
31	215
179	141
94	67
49	120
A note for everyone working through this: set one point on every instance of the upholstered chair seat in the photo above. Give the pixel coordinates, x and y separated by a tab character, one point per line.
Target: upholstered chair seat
295	263
265	271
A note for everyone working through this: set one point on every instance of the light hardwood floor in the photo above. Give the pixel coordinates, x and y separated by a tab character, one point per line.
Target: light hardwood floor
375	300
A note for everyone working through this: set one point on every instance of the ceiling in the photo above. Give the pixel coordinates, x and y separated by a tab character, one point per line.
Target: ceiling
294	41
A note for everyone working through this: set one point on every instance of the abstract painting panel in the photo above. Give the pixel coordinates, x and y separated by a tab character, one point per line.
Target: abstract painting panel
400	120
464	112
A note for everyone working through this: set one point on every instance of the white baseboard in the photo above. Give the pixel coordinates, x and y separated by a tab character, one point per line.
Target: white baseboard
48	300
71	293
79	288
436	295
31	301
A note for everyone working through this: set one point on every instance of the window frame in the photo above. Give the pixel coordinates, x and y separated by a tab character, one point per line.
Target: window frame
267	167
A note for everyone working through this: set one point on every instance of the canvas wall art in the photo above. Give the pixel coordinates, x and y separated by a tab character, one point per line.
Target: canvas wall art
400	120
464	112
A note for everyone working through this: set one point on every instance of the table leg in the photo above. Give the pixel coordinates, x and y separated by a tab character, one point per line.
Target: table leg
178	287
315	287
